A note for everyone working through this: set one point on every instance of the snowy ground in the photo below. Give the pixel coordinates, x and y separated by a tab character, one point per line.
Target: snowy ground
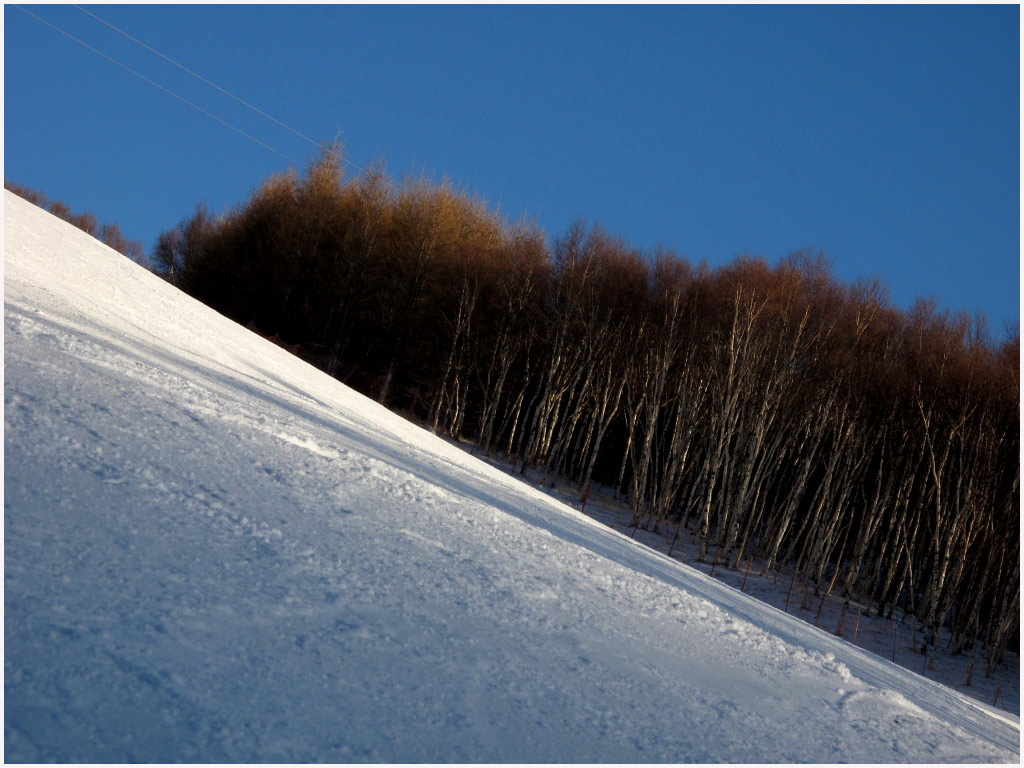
215	553
898	638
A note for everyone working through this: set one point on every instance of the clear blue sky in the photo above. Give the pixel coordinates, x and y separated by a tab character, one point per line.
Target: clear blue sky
887	137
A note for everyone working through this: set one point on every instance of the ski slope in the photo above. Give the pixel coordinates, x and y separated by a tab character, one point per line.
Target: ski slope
216	553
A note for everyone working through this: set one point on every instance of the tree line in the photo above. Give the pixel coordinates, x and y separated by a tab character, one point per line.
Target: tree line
770	410
109	234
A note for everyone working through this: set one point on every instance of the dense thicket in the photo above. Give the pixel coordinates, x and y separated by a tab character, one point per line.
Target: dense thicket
110	234
771	410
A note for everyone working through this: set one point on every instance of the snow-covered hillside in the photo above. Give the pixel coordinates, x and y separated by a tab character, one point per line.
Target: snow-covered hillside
214	552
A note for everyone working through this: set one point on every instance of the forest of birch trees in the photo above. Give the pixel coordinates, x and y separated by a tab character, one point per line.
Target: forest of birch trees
768	409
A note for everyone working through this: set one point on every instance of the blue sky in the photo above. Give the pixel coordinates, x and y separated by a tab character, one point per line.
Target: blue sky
887	137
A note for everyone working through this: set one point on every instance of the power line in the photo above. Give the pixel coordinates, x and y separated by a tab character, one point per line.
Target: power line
196	75
157	85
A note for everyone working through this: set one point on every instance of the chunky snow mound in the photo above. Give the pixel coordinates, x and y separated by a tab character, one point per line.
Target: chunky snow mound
215	553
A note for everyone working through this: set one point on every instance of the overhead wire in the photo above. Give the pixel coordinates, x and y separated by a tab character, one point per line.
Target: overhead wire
210	83
157	85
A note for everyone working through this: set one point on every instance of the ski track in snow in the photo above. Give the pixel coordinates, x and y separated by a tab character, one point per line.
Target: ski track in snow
215	553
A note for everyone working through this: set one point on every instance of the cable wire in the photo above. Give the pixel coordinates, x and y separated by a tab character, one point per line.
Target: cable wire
210	83
157	85
197	76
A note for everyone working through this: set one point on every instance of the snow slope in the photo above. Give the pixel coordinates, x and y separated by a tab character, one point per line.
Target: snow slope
215	553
